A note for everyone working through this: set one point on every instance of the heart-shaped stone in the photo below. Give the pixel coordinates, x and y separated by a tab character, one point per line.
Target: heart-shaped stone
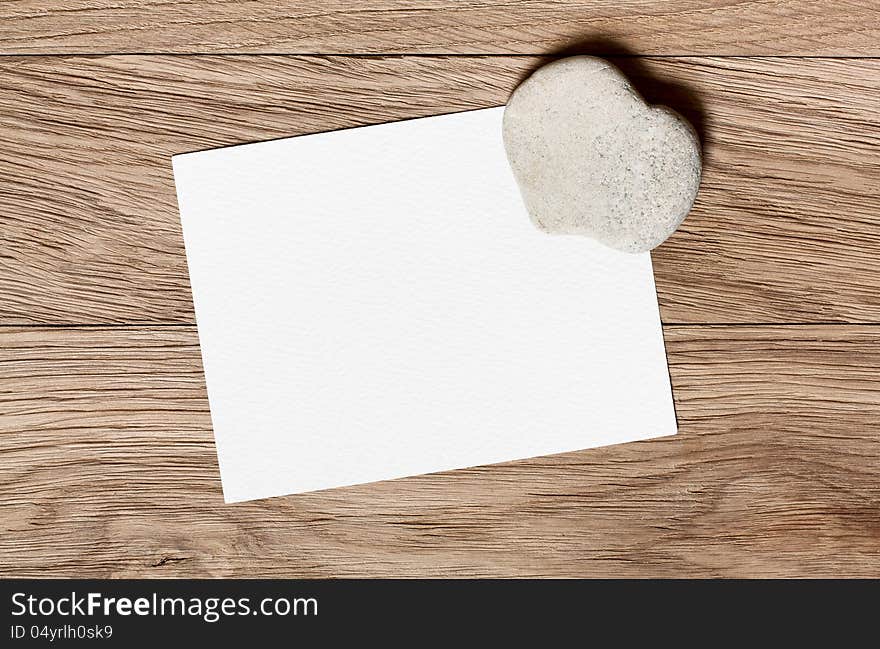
592	158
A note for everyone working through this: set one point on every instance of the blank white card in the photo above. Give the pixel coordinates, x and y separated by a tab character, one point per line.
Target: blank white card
374	303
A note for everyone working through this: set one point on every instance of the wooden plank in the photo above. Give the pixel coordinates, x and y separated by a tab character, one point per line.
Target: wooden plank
109	470
755	27
786	227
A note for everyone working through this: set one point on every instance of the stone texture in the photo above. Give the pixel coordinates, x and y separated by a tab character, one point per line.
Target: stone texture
592	158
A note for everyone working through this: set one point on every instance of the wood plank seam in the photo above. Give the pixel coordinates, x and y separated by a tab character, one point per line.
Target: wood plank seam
416	55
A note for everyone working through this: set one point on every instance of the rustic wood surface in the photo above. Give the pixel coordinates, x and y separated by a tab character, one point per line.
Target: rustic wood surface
110	470
785	229
799	27
770	291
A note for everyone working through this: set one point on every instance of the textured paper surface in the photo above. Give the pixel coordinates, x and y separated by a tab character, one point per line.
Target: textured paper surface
375	303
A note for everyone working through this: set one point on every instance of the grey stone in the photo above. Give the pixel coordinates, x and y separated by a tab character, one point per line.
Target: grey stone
592	158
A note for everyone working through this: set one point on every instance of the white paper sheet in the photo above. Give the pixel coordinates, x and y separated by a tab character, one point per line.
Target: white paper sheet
375	303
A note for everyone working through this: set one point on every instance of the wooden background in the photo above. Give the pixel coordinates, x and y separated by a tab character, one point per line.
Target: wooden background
770	292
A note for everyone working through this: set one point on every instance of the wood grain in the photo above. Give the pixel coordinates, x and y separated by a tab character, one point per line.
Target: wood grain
106	453
109	470
756	27
786	227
